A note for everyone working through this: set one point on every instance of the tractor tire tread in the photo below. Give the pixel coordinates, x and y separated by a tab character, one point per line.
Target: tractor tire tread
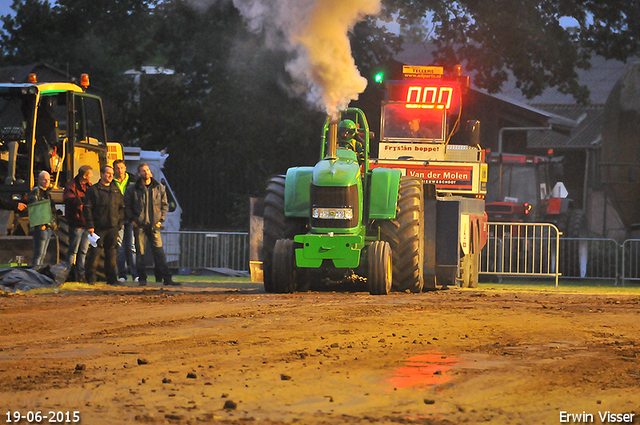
405	235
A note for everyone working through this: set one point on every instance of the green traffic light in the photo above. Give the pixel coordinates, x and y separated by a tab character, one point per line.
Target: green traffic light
378	77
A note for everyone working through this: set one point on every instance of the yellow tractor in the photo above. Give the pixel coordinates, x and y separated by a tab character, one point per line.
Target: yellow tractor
51	126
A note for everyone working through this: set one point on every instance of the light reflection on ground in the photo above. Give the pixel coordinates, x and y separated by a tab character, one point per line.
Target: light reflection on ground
423	370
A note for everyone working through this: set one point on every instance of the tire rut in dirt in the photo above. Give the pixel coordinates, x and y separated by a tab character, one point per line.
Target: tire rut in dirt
405	236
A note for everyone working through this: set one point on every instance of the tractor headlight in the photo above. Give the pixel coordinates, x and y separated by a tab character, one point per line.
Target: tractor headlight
332	213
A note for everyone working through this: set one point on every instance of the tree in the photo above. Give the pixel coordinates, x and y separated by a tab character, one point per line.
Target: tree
228	115
525	37
225	116
99	37
28	36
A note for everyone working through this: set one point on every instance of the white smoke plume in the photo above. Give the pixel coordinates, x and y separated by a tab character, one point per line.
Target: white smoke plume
316	32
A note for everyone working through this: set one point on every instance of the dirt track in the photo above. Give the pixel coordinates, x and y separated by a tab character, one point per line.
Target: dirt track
446	357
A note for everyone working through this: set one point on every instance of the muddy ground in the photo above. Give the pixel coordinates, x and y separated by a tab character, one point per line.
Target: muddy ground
195	355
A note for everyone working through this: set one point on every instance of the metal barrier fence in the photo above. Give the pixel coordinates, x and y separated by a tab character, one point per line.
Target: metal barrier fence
589	258
515	250
630	260
532	249
186	249
522	249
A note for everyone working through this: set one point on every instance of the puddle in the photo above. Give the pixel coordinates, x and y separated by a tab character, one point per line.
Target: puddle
423	370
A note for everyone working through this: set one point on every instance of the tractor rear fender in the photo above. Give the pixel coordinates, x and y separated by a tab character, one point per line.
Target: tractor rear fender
296	192
384	186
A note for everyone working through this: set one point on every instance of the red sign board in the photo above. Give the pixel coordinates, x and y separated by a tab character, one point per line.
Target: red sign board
454	178
443	176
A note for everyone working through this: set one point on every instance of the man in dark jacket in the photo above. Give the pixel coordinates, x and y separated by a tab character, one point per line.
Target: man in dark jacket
42	233
12	205
146	208
104	212
74	193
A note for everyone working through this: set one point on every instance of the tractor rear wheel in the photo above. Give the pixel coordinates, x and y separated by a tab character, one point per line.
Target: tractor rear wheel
276	226
577	223
405	235
284	271
380	268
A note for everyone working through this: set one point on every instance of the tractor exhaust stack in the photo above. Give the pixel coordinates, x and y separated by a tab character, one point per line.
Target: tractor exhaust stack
332	146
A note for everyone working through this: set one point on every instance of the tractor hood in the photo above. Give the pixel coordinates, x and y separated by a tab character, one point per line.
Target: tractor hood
336	172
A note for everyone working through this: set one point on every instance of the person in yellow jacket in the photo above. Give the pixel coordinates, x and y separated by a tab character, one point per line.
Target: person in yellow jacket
126	257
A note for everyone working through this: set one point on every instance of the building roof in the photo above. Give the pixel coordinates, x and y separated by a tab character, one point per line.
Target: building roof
20	73
599	79
585	135
548	116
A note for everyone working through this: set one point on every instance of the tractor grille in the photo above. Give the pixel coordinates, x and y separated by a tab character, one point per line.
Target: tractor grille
498	208
335	197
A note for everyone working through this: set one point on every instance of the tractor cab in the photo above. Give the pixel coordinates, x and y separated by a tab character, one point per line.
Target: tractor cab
520	188
352	137
55	127
410	125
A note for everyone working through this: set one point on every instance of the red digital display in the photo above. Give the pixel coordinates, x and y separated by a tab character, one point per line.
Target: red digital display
426	95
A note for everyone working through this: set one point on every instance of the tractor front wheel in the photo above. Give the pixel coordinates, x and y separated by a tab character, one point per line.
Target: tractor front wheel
284	270
276	226
380	268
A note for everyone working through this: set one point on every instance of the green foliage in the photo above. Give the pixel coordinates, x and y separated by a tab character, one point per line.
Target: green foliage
525	37
228	116
26	37
372	45
98	37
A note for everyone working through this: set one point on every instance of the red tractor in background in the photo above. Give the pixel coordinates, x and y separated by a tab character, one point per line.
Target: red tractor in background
525	188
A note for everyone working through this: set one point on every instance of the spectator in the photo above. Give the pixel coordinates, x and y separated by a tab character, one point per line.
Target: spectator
42	233
146	208
126	258
74	194
12	205
104	212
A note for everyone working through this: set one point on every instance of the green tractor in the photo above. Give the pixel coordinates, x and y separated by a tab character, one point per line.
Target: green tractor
340	219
